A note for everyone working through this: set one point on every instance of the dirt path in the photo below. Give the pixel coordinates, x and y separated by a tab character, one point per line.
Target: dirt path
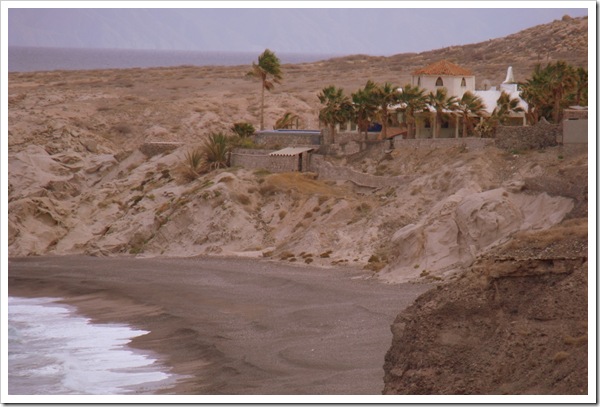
237	326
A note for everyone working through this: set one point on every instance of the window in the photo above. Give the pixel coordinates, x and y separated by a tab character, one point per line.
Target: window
463	83
419	81
439	82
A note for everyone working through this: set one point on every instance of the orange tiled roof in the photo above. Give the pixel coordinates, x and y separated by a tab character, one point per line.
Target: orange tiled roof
443	67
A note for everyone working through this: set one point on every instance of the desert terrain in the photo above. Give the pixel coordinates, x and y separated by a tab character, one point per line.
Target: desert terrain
488	227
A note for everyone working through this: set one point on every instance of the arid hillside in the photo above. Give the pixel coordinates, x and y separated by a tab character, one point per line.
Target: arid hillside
489	226
120	109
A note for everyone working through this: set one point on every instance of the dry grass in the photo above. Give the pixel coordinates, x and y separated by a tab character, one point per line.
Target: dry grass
242	198
573	229
303	184
560	356
575	341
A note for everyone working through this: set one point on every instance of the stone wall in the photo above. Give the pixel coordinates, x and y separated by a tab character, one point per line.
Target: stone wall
541	135
151	149
471	143
327	170
347	144
260	159
277	139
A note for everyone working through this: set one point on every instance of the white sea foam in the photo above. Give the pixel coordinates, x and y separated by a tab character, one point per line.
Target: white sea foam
51	350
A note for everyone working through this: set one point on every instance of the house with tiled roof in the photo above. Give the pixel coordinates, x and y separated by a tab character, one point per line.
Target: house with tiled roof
457	81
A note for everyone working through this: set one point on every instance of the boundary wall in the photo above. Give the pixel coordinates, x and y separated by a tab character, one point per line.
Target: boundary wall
260	159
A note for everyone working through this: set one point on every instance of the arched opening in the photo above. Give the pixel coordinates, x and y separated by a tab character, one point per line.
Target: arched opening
463	83
439	82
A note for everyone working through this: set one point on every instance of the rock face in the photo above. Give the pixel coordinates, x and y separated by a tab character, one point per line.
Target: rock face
515	323
465	225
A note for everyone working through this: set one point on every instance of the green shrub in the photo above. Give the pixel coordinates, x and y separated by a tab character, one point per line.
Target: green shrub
243	129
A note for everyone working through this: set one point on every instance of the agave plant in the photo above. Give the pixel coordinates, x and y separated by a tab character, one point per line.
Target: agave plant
194	161
215	151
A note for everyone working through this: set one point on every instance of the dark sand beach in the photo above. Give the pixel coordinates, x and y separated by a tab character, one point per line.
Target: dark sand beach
235	326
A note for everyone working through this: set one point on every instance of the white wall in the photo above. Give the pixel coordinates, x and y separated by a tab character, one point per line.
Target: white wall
451	83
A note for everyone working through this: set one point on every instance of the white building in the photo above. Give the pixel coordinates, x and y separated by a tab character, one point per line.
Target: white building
458	80
444	74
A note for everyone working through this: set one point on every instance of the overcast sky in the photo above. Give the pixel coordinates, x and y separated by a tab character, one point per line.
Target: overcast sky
318	30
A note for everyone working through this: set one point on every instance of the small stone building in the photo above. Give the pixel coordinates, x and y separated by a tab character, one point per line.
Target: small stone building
575	125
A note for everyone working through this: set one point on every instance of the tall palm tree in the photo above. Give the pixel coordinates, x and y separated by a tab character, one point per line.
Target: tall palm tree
562	80
581	85
552	88
469	105
365	107
385	96
505	106
533	91
337	108
268	67
442	104
412	100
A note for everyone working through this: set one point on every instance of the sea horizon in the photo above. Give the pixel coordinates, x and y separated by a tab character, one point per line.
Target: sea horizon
39	59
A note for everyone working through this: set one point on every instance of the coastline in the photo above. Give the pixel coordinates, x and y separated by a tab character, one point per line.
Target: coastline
230	325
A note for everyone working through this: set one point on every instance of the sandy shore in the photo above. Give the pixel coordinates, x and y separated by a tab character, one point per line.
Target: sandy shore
235	326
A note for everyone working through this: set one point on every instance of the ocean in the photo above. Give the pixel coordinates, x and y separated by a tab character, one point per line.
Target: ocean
54	351
31	59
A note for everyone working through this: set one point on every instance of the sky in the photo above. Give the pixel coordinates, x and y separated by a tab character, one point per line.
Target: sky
363	30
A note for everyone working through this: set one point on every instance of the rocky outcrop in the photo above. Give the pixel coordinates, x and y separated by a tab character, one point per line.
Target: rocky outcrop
515	323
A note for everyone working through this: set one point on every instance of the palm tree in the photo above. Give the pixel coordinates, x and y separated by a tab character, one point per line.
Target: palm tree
581	85
287	121
243	129
412	99
365	107
268	67
552	88
338	108
385	96
469	105
534	92
505	106
441	103
562	80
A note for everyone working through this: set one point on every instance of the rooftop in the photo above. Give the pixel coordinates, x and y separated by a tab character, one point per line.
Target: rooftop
443	67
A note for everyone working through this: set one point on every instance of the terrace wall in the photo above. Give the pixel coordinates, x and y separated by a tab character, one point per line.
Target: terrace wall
327	170
538	136
260	159
280	139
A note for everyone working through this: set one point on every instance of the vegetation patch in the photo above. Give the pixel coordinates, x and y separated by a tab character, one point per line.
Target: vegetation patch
325	255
